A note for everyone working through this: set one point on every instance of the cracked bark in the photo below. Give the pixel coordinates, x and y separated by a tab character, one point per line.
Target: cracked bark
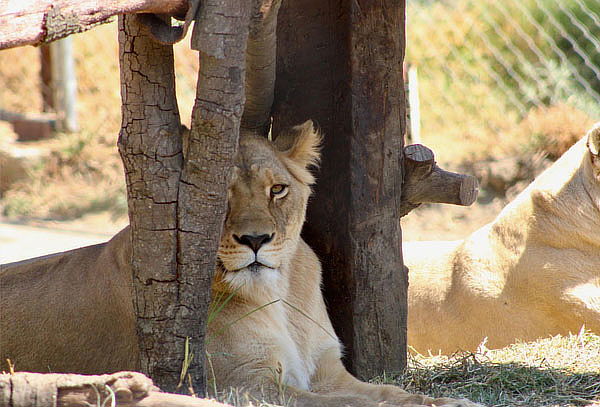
212	144
339	62
177	204
150	147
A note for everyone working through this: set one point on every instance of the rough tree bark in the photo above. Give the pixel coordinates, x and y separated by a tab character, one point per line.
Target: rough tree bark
340	63
150	146
221	37
177	205
260	64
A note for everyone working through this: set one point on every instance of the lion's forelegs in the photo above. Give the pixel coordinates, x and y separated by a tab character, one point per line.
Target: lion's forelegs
332	378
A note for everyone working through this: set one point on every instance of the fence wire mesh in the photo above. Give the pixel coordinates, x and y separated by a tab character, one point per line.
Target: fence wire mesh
485	66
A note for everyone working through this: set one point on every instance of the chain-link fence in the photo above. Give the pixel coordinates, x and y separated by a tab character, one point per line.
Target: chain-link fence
491	75
485	67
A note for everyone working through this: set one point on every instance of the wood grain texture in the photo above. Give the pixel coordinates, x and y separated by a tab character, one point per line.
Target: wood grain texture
127	389
260	67
425	182
340	63
35	22
151	149
221	36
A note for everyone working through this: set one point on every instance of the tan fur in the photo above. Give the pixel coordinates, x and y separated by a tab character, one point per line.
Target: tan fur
72	312
532	272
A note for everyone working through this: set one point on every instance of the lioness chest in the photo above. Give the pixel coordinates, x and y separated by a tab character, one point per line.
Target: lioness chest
272	339
281	335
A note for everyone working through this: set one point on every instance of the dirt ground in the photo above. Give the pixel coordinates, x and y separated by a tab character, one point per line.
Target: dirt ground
19	241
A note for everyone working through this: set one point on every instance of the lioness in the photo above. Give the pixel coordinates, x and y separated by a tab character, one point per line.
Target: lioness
72	312
532	272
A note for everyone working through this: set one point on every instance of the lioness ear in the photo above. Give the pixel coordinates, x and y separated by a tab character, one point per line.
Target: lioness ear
593	140
301	144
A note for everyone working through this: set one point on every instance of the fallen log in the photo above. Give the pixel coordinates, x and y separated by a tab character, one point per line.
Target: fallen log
124	389
33	22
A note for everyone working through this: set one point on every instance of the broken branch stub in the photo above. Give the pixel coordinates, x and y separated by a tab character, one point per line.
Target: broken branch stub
425	182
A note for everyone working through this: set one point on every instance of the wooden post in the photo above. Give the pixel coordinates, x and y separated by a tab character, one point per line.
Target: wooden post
46	78
221	36
150	146
340	63
64	84
177	202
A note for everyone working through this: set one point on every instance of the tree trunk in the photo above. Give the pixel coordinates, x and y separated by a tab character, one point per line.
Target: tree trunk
260	65
177	206
150	146
340	63
221	36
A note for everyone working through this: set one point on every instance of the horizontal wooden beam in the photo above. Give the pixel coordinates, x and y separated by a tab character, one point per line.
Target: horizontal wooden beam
33	22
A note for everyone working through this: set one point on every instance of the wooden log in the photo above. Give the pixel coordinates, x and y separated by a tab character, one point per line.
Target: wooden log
221	36
425	182
260	68
30	126
150	147
126	389
339	62
40	21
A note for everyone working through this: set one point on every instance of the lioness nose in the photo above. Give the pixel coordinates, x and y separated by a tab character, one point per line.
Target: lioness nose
254	241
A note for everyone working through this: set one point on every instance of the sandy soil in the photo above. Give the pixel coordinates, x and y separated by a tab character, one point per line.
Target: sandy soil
19	241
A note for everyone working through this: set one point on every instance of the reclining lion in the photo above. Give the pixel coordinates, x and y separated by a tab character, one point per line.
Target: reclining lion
72	311
532	272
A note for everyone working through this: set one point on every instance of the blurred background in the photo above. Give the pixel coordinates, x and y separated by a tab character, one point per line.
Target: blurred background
496	89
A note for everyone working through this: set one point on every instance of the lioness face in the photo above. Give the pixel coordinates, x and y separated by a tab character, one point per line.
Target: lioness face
267	205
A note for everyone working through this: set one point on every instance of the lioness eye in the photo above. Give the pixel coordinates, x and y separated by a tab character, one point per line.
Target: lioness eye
278	189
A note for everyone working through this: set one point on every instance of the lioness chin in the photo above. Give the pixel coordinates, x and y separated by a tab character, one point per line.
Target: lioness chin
72	312
532	272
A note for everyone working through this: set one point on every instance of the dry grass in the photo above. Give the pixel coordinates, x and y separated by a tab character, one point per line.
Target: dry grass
557	371
554	129
79	174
